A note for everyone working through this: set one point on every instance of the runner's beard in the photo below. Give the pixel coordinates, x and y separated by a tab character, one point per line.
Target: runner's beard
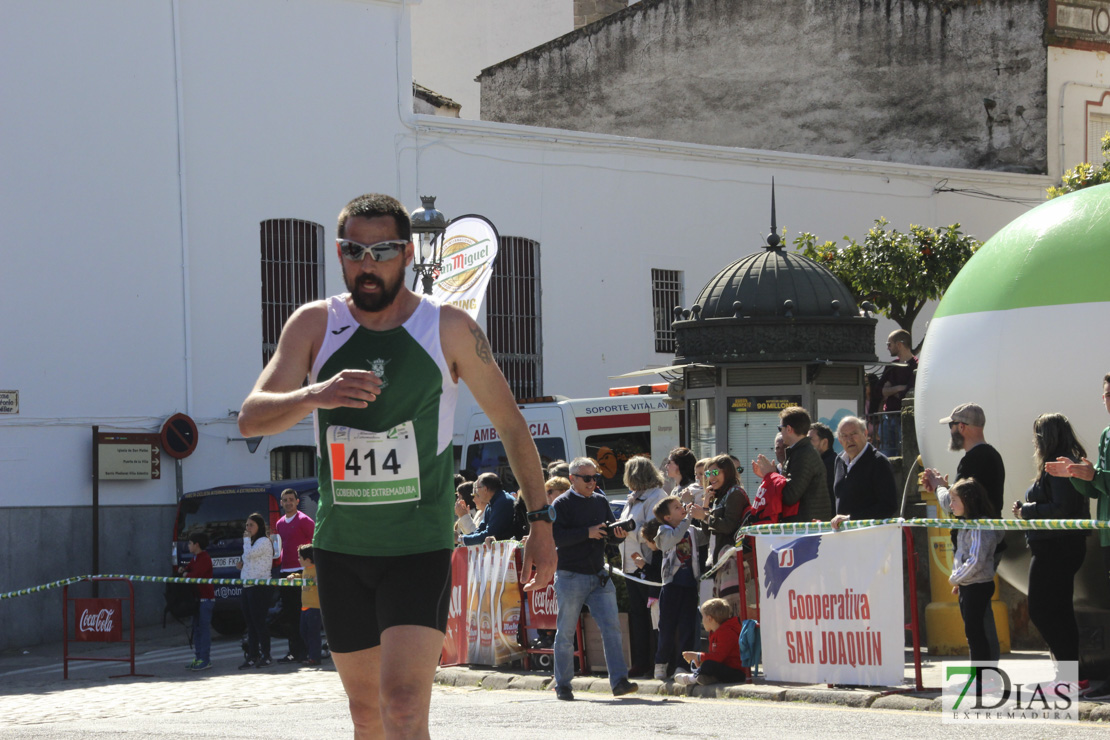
377	301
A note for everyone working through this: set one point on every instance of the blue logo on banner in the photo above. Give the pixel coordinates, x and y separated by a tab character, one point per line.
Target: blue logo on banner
782	562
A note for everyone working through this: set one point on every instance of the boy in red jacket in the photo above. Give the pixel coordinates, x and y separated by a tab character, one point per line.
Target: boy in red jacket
721	663
201	567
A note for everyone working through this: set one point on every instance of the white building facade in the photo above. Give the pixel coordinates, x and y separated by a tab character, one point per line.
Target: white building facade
149	145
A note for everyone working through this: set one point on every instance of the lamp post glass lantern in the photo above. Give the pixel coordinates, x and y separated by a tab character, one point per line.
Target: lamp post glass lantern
428	227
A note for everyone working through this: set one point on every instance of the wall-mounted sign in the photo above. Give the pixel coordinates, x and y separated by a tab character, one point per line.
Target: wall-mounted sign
129	456
763	403
179	436
9	402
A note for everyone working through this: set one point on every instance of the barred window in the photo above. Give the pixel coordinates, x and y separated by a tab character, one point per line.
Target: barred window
513	315
288	463
292	273
666	293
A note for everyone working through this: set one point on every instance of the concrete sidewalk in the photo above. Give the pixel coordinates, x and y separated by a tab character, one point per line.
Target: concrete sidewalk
861	697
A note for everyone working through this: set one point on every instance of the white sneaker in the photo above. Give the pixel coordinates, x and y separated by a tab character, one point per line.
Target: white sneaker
661	671
685	679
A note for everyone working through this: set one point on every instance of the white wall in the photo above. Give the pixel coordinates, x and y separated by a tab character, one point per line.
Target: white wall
1074	79
289	110
453	41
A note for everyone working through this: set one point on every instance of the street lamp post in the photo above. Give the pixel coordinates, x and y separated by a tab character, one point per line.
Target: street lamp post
428	226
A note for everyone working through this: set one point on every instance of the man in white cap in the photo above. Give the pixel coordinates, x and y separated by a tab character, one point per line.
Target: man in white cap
981	462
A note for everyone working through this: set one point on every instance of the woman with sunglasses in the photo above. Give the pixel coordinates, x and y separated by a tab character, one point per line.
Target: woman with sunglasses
1057	555
729	504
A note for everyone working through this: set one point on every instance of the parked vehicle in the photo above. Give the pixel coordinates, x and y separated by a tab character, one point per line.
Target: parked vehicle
610	430
221	513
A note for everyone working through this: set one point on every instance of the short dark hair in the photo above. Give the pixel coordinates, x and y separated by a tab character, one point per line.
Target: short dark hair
663	506
796	418
901	335
649	530
200	538
373	205
823	432
490	481
559	469
305	551
292	491
459	480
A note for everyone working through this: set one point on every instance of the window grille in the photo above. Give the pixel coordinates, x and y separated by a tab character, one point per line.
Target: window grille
290	463
1097	126
292	273
666	293
513	315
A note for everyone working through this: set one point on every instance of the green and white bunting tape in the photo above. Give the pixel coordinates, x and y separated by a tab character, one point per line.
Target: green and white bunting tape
298	582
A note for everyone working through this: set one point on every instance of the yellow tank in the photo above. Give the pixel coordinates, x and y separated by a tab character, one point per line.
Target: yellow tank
944	627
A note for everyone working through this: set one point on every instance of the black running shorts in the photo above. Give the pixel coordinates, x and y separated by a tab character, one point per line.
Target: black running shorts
361	596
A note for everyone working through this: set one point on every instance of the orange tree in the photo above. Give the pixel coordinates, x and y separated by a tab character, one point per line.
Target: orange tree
898	272
1084	175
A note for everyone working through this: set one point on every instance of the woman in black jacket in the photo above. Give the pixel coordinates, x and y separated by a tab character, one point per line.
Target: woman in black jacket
1057	554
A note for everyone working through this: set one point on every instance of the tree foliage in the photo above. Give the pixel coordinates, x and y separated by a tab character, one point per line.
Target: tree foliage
1084	175
898	272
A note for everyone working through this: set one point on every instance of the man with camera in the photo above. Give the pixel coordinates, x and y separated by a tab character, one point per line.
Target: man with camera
582	523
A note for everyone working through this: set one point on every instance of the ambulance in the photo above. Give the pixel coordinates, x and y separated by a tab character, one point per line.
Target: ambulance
628	422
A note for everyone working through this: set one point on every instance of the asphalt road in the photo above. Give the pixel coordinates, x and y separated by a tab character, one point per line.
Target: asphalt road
293	703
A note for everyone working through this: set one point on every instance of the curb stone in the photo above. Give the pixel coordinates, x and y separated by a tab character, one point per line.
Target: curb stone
755	691
1099	713
856	699
498	680
907	703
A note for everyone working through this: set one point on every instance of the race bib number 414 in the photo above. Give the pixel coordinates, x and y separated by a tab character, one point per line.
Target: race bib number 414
374	467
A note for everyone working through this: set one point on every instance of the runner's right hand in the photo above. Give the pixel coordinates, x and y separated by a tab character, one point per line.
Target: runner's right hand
348	388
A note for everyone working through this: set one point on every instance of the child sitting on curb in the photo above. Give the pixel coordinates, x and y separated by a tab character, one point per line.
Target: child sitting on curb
721	663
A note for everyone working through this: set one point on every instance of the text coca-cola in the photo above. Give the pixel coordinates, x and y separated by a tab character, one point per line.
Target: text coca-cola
98	620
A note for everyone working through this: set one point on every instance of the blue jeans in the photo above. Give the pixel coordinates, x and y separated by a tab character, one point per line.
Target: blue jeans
202	630
310	632
572	590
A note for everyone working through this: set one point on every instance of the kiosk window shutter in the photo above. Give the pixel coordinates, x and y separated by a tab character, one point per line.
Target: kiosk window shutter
513	315
292	273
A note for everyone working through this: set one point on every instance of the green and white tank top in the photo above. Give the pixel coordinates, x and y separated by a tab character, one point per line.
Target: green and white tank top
386	471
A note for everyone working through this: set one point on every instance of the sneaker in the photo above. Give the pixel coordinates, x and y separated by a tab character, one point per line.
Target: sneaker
200	665
1096	690
625	687
661	671
289	659
264	662
685	679
703	680
189	666
563	693
249	663
310	662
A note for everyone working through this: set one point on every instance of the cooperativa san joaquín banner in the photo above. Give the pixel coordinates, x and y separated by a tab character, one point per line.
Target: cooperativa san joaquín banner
469	249
831	607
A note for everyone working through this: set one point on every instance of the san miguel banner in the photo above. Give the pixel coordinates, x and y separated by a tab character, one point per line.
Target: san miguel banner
832	607
492	604
98	620
455	641
469	249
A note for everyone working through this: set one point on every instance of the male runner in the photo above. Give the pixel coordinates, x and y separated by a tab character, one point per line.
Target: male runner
383	365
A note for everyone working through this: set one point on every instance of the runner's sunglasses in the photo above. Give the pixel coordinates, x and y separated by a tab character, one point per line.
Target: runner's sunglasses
380	252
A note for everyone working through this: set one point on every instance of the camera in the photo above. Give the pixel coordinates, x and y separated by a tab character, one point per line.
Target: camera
626	524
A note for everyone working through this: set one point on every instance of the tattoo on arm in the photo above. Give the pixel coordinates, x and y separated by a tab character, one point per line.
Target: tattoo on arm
481	346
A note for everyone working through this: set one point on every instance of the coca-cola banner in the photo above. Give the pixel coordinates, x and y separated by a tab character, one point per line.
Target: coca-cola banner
455	642
493	604
543	610
98	620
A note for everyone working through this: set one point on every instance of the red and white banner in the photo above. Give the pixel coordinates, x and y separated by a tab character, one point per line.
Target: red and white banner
543	610
831	608
455	641
98	620
469	249
493	604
